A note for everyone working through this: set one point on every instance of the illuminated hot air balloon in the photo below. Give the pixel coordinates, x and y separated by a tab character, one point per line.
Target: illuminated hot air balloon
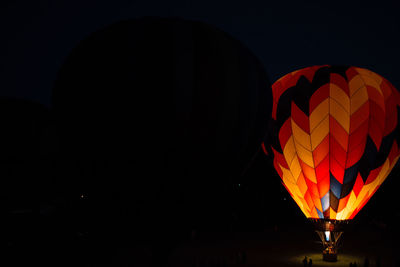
335	138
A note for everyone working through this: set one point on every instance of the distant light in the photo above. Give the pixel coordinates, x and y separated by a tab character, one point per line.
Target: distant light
82	196
239	185
327	236
284	198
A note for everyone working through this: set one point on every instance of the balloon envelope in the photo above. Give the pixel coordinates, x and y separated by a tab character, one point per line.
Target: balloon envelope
334	136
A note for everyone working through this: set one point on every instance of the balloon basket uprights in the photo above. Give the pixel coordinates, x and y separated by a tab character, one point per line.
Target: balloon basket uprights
330	233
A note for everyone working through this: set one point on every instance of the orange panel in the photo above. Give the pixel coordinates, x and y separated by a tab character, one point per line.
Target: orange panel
308	172
358	99
321	151
308	199
339	134
340	82
320	131
343	203
337	152
340	114
340	96
359	117
301	183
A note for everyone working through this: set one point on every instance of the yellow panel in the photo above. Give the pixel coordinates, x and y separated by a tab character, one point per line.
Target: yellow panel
361	195
339	215
340	114
332	214
318	114
340	96
355	84
305	155
358	99
301	136
319	133
303	208
384	172
348	210
289	151
369	73
295	169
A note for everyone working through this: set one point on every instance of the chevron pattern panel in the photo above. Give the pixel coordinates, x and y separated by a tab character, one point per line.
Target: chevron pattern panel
335	137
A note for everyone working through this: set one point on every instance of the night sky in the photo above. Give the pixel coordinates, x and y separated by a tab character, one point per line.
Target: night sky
285	35
37	37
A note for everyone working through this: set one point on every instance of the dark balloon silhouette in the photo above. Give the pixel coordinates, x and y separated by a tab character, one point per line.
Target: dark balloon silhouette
166	114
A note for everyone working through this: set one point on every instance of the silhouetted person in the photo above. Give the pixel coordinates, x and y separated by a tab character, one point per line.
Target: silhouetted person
355	264
310	263
366	262
305	261
351	264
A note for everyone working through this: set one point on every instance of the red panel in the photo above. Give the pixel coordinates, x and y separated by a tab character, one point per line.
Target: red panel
391	116
358	185
264	149
394	151
386	90
280	158
323	185
355	154
300	118
359	117
312	188
375	133
375	96
321	151
372	175
322	169
310	72
336	169
340	134
358	136
319	95
327	214
378	114
285	132
340	82
337	152
278	169
351	73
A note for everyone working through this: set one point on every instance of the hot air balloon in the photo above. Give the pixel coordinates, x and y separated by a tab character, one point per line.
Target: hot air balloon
334	134
170	111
